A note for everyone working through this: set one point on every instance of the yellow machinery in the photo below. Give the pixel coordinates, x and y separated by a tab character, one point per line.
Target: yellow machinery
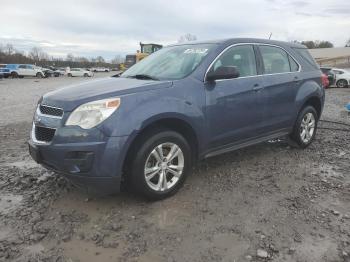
146	50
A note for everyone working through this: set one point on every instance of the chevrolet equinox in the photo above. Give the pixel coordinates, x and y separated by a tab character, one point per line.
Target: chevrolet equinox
184	103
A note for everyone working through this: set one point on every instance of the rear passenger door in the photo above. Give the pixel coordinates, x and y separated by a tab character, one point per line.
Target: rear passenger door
281	82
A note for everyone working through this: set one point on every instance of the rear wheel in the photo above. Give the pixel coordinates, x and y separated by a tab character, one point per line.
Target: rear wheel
342	83
14	74
69	74
39	75
304	131
86	75
161	164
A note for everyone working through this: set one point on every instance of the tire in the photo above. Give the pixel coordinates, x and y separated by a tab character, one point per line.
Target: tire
39	75
69	75
86	75
303	135
342	83
145	157
14	75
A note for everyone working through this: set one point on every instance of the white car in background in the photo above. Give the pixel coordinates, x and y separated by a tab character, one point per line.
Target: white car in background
79	72
342	77
100	69
28	70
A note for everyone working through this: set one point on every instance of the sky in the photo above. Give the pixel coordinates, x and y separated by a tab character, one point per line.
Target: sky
115	27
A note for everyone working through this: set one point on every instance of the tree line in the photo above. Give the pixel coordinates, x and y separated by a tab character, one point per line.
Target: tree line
313	44
36	56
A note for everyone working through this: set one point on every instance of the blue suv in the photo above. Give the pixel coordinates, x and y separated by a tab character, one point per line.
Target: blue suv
147	127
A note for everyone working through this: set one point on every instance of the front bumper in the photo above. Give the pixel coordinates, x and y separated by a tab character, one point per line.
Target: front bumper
87	158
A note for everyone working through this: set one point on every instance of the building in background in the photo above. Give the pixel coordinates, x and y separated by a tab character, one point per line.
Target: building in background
334	57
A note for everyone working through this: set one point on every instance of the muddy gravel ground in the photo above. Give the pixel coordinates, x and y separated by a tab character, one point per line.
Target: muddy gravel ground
269	202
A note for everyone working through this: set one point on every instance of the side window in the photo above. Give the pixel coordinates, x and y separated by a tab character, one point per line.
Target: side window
22	67
275	60
242	57
293	65
29	67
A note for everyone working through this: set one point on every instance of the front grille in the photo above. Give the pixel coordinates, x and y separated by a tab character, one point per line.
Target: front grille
44	134
51	111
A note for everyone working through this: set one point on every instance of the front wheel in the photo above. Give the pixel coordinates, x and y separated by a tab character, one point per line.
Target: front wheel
342	83
69	75
161	164
86	75
304	131
39	75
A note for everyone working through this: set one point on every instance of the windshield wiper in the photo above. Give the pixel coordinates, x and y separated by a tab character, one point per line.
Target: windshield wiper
144	76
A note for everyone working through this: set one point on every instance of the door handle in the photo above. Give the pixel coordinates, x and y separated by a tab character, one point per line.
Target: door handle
257	87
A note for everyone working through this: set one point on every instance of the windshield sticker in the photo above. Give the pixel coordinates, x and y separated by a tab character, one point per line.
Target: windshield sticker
196	51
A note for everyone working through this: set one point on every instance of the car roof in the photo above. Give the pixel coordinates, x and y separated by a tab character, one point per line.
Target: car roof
232	41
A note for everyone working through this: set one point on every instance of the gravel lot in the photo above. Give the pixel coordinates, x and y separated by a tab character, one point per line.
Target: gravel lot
269	202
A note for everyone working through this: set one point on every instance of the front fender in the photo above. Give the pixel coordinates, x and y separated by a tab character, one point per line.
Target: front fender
142	109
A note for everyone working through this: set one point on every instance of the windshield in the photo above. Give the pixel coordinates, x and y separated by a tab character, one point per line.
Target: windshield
170	63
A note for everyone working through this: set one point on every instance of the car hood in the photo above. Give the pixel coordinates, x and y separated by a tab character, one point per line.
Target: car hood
72	96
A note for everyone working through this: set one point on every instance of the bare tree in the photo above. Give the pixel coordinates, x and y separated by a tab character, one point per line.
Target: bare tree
9	49
100	59
117	59
70	57
35	54
81	59
186	38
43	56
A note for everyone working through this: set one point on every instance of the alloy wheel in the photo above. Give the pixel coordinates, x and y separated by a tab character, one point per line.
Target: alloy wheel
307	127
164	166
342	84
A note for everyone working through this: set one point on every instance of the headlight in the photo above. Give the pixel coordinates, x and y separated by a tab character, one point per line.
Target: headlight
93	113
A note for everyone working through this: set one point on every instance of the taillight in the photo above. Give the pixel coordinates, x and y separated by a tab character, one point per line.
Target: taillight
325	81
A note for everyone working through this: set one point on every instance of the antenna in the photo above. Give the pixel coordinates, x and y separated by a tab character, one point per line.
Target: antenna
270	36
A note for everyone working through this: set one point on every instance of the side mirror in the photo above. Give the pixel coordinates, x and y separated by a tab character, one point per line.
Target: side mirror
223	72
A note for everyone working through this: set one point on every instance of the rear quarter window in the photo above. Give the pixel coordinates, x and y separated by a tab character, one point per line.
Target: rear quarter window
305	54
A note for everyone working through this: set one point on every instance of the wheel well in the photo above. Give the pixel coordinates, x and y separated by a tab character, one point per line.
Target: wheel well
173	124
315	103
342	79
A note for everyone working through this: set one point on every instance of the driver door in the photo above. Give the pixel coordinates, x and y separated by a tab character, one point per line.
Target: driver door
234	106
